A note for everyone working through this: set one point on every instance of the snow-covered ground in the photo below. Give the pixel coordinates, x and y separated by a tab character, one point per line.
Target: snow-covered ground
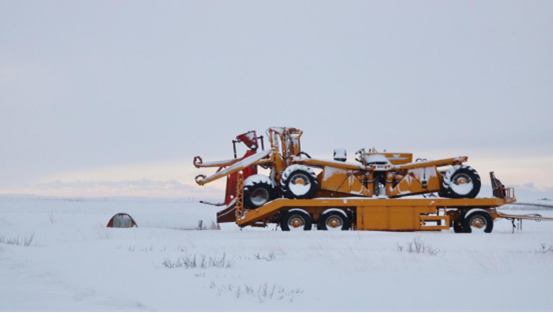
74	263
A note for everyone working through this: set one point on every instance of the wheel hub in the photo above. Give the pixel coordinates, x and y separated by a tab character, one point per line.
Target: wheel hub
334	222
299	181
478	222
296	222
462	181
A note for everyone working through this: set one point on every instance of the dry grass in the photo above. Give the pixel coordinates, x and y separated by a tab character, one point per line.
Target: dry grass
52	218
198	262
263	292
202	226
103	232
269	257
545	249
25	241
418	246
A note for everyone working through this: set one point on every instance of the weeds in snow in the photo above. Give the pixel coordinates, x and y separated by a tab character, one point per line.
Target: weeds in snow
418	246
103	232
25	241
51	217
545	249
269	257
201	226
213	226
147	249
263	293
198	262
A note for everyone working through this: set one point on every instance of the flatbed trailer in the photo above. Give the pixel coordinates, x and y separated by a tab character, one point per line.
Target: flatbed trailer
381	214
372	194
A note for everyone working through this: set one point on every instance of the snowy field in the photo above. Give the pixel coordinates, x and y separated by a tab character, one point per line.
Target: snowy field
57	255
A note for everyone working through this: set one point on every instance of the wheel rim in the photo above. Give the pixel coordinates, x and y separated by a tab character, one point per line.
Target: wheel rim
478	223
259	196
296	222
462	184
334	223
461	180
299	184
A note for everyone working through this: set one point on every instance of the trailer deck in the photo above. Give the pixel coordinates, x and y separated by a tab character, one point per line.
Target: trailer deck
377	214
403	214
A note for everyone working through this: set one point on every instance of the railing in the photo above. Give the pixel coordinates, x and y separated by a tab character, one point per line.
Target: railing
510	193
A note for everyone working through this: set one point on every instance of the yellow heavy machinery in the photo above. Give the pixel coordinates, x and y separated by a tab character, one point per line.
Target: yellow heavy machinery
363	195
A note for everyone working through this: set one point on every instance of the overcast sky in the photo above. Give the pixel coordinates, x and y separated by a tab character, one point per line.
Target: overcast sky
117	97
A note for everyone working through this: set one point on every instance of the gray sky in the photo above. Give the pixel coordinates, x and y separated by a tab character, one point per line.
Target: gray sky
117	97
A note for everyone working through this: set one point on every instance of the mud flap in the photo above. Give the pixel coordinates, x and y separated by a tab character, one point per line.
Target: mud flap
227	215
497	186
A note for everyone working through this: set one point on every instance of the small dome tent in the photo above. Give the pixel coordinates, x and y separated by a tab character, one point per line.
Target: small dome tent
121	220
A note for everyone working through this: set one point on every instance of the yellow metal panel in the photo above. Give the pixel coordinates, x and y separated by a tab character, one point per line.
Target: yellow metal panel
388	218
396	217
403	218
372	218
396	158
333	178
437	163
321	163
341	180
412	182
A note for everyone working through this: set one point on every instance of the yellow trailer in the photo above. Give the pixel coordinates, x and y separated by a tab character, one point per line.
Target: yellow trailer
383	214
369	194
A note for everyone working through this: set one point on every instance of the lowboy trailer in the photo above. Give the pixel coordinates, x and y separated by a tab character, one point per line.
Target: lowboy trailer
375	193
358	213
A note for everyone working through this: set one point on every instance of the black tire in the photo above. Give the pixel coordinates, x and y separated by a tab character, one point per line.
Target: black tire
458	226
339	219
479	220
296	216
454	180
296	175
258	192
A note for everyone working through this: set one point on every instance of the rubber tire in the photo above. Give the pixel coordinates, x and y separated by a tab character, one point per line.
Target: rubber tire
458	227
307	218
346	222
474	177
485	215
249	190
287	176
